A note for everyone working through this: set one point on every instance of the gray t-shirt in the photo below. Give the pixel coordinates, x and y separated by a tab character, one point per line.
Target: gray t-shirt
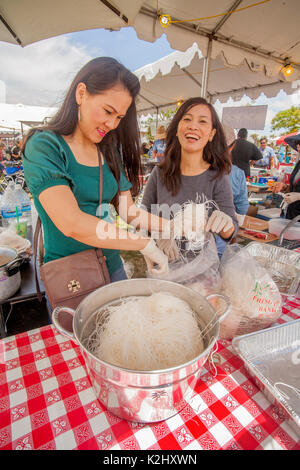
192	187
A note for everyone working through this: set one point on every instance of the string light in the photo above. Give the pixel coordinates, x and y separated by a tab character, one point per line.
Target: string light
287	70
179	103
166	20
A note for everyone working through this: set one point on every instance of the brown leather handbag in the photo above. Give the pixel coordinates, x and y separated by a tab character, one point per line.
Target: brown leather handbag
70	279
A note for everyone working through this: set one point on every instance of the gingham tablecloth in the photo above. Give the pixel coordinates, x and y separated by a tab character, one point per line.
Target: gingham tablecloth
47	402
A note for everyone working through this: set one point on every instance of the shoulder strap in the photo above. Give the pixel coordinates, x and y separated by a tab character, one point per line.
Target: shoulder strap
38	235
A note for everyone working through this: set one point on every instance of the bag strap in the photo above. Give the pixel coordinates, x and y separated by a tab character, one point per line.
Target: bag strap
38	235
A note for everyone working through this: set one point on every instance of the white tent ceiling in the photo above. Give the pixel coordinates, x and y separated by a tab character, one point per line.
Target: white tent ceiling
265	33
26	21
179	75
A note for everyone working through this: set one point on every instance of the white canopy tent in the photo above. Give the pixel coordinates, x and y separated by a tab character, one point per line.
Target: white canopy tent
179	76
20	117
262	33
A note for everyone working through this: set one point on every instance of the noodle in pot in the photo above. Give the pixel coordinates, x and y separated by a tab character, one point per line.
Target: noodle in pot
147	333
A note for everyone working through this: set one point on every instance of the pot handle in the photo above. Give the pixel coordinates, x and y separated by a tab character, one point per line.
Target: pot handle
62	318
14	266
227	301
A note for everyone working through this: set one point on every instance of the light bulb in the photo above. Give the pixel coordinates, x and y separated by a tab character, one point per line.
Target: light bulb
165	20
287	70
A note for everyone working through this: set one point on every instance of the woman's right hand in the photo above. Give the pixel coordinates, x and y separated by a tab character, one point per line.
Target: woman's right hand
153	255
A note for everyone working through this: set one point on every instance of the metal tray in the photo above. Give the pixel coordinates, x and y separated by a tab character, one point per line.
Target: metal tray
283	265
272	358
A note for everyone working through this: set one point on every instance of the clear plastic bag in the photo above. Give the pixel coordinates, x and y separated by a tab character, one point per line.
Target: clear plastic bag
256	301
198	270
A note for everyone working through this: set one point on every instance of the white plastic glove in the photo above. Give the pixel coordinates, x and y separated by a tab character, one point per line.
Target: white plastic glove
218	222
291	197
153	255
240	218
170	248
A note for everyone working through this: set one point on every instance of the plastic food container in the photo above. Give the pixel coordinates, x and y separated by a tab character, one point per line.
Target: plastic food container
272	213
277	225
270	357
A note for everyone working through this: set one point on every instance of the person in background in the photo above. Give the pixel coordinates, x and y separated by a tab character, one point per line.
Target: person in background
2	151
244	152
196	164
239	190
159	145
144	149
150	151
281	153
268	156
291	190
16	151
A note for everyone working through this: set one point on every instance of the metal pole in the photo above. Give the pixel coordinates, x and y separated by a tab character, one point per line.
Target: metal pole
205	73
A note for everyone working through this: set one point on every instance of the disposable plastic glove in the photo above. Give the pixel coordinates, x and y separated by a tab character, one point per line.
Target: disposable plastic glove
153	255
291	197
218	222
170	248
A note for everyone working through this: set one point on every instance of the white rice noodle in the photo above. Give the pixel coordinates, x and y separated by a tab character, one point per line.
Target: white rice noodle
148	333
191	220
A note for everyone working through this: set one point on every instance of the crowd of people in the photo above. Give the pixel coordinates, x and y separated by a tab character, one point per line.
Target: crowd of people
194	158
10	152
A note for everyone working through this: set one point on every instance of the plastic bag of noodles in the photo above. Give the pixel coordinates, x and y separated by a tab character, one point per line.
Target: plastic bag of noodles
197	266
256	301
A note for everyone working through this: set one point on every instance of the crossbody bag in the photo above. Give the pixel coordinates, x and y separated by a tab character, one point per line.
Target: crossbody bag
70	279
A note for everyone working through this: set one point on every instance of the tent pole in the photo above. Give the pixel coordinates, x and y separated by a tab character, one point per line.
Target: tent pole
206	68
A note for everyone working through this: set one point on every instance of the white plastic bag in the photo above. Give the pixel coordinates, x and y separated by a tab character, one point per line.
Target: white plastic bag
256	301
200	271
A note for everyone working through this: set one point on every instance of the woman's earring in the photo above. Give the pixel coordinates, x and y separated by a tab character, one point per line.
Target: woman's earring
79	115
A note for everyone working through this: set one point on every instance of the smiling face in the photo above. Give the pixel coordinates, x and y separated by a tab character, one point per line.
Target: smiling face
101	113
195	129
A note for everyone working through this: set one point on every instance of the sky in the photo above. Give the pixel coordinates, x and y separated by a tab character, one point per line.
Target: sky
39	74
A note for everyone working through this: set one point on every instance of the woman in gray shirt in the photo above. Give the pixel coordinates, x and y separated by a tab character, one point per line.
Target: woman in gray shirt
196	165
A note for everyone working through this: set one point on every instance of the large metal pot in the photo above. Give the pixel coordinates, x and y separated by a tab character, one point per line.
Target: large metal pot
10	277
141	396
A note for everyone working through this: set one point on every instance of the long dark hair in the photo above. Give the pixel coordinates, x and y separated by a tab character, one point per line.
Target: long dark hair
98	75
215	153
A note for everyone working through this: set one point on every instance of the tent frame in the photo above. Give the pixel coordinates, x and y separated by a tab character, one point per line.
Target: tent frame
215	36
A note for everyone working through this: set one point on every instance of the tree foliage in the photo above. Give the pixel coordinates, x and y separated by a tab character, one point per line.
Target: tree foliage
287	120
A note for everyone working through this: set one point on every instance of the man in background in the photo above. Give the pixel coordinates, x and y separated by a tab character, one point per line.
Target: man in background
16	150
268	155
243	152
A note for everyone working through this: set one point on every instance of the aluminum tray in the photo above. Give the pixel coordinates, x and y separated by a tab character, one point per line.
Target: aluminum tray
272	358
283	265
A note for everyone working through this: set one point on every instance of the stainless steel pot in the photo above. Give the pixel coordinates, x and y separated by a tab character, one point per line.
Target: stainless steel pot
141	396
10	277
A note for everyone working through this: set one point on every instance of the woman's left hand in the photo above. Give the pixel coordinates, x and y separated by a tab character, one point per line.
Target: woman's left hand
291	197
219	222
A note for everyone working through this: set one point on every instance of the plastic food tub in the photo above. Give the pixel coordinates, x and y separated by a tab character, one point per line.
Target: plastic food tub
277	225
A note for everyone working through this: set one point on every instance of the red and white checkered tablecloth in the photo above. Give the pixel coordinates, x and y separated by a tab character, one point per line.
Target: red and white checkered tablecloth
47	402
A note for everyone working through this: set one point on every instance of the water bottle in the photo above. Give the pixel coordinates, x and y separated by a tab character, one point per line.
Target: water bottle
10	207
23	201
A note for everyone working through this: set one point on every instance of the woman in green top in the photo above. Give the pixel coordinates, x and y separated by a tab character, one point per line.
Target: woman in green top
61	169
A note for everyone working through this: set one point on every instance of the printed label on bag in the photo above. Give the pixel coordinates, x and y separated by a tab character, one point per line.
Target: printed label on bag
262	294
